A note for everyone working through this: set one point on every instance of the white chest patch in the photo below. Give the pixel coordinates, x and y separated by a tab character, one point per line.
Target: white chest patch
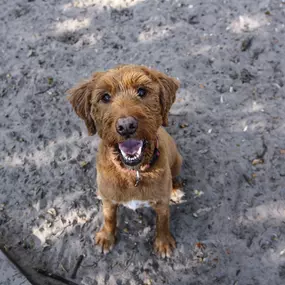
135	204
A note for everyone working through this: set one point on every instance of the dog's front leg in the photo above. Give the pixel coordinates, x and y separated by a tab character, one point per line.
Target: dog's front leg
164	242
106	237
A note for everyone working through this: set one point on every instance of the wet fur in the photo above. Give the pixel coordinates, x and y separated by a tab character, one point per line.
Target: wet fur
116	182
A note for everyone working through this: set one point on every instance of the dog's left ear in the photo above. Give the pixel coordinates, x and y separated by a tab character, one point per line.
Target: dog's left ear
80	99
168	88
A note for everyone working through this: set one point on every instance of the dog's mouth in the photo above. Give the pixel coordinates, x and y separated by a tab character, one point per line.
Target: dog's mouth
131	151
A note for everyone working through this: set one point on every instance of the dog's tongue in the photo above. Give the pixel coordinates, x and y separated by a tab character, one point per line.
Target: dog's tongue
131	146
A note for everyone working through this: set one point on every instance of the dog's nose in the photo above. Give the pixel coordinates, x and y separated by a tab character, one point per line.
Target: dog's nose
127	126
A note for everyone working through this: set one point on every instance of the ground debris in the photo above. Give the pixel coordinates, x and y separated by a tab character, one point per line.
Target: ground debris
54	276
246	44
247	179
257	161
2	206
245	76
202	211
282	252
198	193
77	265
183	125
193	20
52	212
83	163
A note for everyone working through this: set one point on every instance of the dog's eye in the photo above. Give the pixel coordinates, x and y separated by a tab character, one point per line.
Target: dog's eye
106	98
141	92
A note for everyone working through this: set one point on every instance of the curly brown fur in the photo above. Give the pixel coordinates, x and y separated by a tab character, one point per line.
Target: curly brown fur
116	178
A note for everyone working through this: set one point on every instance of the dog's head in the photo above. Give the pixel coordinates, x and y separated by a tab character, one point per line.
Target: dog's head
126	106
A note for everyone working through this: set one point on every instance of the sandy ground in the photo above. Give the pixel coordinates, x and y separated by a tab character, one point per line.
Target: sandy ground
9	273
230	111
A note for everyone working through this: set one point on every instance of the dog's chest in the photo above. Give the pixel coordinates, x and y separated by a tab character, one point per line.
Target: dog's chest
135	204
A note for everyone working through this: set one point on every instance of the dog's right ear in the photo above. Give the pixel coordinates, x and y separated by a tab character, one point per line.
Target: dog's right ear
80	99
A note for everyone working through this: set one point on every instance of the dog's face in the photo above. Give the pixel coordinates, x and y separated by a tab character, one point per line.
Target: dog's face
126	106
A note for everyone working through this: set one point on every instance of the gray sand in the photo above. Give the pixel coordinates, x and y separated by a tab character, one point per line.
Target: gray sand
9	273
230	59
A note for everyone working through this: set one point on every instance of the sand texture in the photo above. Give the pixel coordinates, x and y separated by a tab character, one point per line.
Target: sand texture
228	122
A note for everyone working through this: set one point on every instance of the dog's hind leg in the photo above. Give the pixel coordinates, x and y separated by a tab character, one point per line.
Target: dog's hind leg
175	171
176	193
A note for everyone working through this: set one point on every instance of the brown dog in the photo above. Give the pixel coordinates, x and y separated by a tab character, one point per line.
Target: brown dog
137	160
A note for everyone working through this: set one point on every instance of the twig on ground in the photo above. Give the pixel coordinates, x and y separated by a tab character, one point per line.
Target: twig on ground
78	263
247	179
54	276
44	91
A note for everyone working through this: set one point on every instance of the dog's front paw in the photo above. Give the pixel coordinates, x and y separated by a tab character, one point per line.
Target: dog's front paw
164	245
105	240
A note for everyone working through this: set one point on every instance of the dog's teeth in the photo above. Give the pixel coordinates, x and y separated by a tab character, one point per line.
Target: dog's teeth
132	158
124	154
